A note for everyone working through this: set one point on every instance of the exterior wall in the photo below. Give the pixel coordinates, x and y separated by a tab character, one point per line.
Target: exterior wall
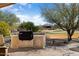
1	40
37	42
14	41
26	43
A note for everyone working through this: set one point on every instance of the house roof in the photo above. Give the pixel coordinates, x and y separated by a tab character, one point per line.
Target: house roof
5	4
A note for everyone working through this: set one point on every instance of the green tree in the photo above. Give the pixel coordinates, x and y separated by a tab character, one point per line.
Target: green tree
28	26
4	28
9	18
66	16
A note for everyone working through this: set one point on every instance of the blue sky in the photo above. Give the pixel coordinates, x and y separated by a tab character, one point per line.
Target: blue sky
27	12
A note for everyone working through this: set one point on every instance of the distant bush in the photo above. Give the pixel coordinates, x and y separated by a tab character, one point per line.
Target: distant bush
28	26
4	28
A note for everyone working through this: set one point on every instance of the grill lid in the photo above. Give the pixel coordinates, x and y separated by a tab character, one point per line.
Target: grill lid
25	35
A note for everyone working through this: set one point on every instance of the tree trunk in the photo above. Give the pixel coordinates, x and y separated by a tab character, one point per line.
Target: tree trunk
69	36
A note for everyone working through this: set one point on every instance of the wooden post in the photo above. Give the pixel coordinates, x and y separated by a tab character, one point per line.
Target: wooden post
3	51
1	40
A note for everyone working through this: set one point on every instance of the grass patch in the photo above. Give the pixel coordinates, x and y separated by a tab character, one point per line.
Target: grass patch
60	32
56	32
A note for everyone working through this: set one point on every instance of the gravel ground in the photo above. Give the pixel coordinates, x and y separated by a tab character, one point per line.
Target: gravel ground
48	51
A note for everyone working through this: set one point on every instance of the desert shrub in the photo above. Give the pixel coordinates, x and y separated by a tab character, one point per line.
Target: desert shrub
4	28
28	26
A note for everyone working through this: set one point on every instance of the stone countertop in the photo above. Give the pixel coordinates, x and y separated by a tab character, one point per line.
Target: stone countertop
4	47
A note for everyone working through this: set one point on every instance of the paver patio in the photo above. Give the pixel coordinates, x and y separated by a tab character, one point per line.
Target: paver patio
48	51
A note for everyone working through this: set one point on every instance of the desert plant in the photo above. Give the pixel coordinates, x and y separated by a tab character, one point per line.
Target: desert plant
9	18
28	26
66	16
4	28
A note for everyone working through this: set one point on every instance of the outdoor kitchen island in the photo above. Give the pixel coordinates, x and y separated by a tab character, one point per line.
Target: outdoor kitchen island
38	41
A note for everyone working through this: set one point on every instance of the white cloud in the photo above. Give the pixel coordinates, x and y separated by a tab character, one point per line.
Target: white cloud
23	4
15	10
36	19
23	17
26	4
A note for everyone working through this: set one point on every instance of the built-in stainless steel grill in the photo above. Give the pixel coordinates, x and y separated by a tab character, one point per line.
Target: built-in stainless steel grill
25	35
